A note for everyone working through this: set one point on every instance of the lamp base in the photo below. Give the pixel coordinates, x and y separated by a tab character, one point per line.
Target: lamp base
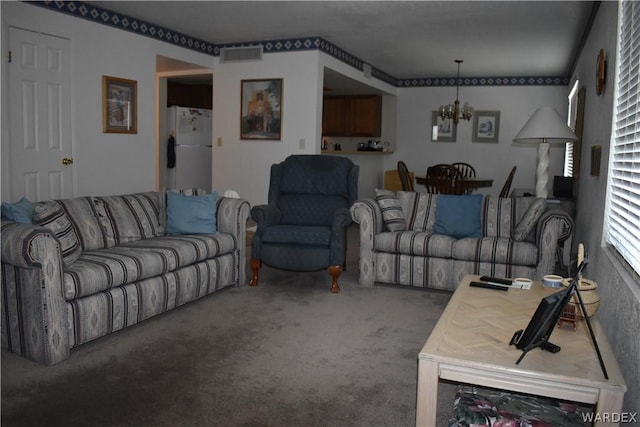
542	171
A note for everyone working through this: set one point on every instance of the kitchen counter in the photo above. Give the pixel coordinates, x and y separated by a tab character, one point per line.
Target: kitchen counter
354	152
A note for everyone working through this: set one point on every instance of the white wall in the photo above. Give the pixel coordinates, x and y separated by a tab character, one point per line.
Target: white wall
103	163
244	165
515	103
619	291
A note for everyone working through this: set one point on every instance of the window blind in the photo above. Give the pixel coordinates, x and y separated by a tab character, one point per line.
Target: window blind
571	122
623	207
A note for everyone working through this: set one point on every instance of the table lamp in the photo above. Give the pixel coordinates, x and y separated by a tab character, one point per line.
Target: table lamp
543	128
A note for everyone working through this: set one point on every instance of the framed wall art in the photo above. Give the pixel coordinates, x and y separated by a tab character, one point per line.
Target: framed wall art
261	109
446	128
486	126
119	105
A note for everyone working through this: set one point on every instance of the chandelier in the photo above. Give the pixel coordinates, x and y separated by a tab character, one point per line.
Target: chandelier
453	111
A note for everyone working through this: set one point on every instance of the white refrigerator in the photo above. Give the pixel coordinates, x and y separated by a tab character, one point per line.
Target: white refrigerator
190	133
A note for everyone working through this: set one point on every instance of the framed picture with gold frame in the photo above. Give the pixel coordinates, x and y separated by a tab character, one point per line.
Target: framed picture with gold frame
119	105
261	109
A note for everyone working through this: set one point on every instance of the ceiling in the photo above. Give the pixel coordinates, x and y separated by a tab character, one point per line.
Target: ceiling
405	39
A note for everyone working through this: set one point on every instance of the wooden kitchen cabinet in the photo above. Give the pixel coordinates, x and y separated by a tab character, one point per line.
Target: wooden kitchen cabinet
352	115
189	95
335	116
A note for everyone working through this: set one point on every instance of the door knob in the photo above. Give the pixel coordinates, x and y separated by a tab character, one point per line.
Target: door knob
67	161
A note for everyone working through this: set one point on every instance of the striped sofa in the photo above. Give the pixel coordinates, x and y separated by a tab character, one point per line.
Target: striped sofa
112	266
414	255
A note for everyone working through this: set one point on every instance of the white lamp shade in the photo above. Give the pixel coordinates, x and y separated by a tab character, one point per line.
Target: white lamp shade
545	125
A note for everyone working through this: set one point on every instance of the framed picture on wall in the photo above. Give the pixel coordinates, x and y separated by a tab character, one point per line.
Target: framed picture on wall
486	126
261	109
446	128
119	105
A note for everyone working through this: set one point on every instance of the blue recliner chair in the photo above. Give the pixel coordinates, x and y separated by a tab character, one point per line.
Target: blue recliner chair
304	225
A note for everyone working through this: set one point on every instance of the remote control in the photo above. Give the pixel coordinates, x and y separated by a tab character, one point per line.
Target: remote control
496	280
489	286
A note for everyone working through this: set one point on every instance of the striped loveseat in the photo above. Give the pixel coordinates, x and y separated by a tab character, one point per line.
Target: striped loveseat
403	242
104	263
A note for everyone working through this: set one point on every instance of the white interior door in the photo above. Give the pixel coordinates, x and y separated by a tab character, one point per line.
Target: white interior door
39	116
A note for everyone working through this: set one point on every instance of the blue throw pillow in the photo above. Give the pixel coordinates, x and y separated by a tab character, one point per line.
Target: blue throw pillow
191	214
459	216
21	211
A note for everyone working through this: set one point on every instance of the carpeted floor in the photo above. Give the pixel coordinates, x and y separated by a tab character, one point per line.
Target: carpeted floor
287	353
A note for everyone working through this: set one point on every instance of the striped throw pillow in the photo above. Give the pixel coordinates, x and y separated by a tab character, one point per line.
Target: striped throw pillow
391	208
529	220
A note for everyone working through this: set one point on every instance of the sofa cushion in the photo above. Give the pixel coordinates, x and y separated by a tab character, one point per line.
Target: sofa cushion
528	222
419	209
391	209
20	211
501	214
84	216
417	243
123	306
51	215
458	216
497	250
191	214
301	234
131	217
497	216
103	269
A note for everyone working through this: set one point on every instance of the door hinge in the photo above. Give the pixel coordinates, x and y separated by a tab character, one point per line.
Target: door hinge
9	57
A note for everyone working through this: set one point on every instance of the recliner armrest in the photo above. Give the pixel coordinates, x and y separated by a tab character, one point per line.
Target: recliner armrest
341	219
266	215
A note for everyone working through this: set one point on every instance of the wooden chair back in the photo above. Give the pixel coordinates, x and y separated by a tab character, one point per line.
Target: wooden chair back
443	179
466	170
405	177
507	185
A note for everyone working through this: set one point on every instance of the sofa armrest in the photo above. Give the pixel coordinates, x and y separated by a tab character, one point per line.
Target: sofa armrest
22	244
367	213
35	313
232	216
554	227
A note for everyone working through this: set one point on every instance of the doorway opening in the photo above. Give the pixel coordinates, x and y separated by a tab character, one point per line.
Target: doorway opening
183	84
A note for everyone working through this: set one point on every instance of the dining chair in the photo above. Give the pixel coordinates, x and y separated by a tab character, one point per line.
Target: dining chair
507	185
465	169
405	177
443	179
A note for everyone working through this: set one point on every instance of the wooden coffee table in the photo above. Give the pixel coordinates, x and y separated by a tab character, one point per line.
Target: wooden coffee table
470	344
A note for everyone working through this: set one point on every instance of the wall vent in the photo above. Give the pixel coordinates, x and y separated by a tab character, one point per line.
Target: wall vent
239	54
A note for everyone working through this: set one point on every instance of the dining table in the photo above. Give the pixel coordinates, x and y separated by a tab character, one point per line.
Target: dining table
463	185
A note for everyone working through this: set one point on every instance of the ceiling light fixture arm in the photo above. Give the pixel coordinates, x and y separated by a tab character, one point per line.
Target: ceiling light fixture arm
453	111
